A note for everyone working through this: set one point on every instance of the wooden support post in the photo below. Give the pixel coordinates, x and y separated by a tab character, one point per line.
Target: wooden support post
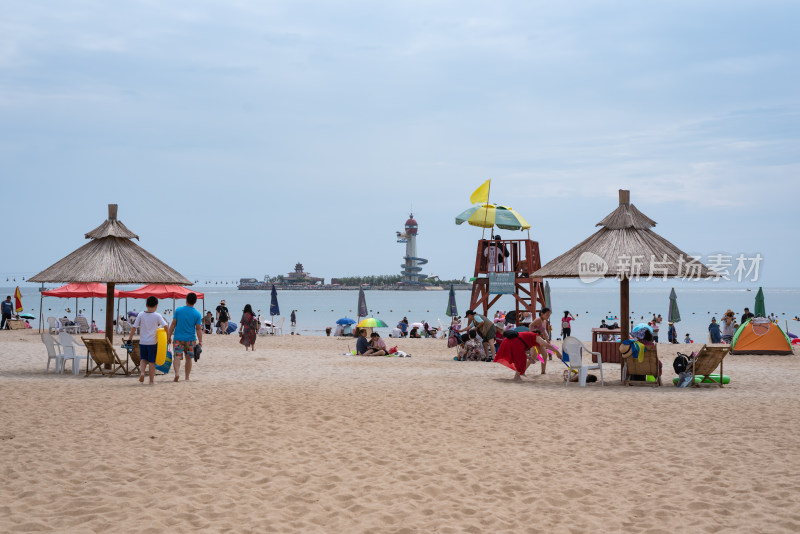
624	307
110	312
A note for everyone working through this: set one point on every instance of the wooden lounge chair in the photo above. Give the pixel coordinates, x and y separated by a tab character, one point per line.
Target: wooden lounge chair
135	356
706	362
102	353
648	366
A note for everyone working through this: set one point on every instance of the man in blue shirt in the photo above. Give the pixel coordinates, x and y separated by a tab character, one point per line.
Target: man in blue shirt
7	310
187	326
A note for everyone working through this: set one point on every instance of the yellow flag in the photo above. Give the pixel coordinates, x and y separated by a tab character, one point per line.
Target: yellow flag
481	195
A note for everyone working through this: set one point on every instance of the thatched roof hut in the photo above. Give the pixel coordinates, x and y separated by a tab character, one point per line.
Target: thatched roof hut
111	257
625	247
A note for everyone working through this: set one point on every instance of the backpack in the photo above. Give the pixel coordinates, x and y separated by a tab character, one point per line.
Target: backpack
680	363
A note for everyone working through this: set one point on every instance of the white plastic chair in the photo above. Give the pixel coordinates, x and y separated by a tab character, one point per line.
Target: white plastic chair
573	347
53	352
70	350
279	326
52	325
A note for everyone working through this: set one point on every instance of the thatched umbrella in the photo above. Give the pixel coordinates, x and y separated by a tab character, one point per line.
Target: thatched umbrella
625	247
111	257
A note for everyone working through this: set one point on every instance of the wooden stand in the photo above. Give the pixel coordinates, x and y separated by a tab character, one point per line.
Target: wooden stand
608	348
520	256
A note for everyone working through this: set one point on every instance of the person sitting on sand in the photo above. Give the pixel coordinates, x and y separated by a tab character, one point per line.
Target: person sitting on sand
362	345
377	347
415	333
472	348
485	328
516	351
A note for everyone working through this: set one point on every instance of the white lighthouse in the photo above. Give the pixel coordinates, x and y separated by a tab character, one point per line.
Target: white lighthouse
411	268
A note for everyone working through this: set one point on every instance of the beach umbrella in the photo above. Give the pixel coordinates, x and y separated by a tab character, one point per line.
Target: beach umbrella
345	320
362	304
643	326
76	291
625	247
111	257
371	322
17	300
416	325
674	315
27	316
547	295
490	215
273	304
452	310
759	310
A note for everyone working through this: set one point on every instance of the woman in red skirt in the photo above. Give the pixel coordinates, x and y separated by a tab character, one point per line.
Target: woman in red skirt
514	351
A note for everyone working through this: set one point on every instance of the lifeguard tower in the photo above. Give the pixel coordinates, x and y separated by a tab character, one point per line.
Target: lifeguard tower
504	266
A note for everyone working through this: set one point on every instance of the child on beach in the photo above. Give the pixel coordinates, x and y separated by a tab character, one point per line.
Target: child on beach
473	348
148	324
687	339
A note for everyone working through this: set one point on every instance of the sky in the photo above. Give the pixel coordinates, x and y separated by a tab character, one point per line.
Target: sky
241	137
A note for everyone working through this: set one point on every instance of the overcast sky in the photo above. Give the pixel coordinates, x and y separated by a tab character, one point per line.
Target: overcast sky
240	137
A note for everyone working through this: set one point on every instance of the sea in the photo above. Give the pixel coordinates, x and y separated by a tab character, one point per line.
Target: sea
318	309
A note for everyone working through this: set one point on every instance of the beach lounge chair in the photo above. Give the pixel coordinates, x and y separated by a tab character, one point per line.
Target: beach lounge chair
53	352
83	325
575	348
135	356
648	366
69	347
102	353
706	361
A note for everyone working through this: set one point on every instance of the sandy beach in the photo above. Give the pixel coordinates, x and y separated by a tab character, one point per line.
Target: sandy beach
297	437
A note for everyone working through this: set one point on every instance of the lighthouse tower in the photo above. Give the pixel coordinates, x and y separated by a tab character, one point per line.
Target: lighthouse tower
411	268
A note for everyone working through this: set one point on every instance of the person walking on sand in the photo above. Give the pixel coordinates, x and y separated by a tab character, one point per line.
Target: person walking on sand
540	325
148	324
714	331
566	326
223	316
248	328
187	327
293	318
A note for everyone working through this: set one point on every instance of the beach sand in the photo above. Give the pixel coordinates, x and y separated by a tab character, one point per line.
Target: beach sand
297	437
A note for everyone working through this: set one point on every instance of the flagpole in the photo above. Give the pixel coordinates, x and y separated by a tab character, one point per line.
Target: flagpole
486	210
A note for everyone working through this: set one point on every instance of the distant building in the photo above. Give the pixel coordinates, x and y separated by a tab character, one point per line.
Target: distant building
299	277
411	272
